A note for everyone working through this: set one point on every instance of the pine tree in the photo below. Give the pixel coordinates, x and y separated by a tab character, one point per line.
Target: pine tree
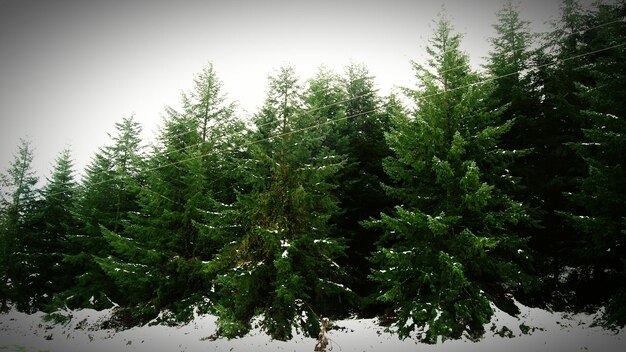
510	64
220	133
158	258
17	203
359	188
142	262
366	148
448	251
106	197
324	100
565	64
600	197
280	264
46	238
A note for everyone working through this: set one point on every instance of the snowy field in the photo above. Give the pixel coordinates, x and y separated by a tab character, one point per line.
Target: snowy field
552	332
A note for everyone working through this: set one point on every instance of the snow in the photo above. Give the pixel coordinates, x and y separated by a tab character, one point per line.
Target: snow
336	284
285	244
548	332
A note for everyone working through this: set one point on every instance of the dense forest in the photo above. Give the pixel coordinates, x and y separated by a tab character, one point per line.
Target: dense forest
474	189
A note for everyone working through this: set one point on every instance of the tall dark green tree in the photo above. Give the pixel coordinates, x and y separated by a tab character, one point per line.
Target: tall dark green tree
158	257
106	197
325	101
448	249
17	204
144	252
220	132
359	191
599	199
51	224
280	264
510	64
564	62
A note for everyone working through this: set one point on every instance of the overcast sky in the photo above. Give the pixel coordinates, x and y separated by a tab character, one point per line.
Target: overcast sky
70	69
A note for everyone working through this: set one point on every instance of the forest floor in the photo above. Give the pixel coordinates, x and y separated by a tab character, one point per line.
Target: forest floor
533	330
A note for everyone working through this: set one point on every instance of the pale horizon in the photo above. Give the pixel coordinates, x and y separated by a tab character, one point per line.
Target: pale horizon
71	70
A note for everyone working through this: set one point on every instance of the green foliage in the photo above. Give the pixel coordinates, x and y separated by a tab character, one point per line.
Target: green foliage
51	223
509	64
599	198
360	139
280	263
17	203
448	250
556	166
158	258
108	194
57	318
267	226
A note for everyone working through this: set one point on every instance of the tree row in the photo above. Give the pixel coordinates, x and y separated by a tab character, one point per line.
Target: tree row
471	191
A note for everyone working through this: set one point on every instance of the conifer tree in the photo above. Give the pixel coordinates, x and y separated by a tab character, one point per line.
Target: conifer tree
50	226
359	188
599	199
220	133
162	237
17	203
324	100
280	264
158	257
448	251
510	65
564	64
106	197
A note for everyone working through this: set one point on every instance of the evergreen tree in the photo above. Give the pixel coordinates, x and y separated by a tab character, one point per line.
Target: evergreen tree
565	64
107	197
220	133
158	258
509	64
359	183
448	250
17	203
48	229
280	264
600	198
324	100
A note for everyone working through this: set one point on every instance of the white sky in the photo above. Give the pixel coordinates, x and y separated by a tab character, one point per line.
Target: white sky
70	69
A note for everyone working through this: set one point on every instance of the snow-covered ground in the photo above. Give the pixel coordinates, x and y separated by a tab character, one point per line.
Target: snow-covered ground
552	332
